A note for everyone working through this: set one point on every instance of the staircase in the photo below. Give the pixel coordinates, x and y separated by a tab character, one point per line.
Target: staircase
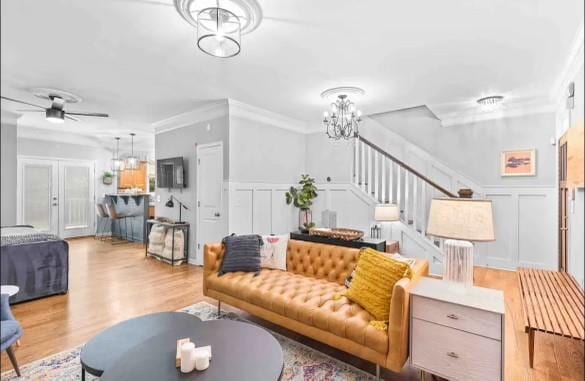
386	179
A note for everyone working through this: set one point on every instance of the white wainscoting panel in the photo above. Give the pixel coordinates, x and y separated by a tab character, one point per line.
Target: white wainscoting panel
525	227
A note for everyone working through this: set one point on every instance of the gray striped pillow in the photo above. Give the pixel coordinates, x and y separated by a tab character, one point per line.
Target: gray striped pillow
242	253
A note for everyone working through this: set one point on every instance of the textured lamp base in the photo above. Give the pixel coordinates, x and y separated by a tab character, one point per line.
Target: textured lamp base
458	262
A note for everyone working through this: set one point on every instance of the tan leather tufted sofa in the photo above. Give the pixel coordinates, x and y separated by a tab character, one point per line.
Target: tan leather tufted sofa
302	299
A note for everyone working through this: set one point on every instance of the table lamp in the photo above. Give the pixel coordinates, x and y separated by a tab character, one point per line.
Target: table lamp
386	213
170	204
461	222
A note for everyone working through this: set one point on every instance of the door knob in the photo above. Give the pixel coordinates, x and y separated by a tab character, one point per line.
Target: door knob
55	204
216	214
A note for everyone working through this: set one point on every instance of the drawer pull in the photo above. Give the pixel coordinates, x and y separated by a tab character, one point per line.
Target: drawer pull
453	316
453	354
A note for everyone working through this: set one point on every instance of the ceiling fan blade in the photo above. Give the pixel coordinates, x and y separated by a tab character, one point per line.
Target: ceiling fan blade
23	102
67	116
96	114
29	110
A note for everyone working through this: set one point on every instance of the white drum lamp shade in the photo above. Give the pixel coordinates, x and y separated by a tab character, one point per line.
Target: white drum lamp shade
460	221
386	213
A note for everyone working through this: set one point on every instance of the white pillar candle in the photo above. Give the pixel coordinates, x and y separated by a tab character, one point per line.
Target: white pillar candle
201	359
187	357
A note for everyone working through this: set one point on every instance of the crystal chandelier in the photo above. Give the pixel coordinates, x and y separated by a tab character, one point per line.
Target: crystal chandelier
218	32
344	119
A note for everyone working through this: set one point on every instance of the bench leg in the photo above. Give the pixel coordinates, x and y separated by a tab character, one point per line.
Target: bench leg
531	347
218	309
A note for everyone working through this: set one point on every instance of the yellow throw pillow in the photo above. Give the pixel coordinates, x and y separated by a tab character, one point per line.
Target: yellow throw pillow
374	280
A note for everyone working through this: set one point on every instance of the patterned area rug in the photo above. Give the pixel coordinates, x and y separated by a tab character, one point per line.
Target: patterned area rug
301	363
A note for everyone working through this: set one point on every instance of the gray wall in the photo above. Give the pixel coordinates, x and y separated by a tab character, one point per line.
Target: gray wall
474	149
182	142
264	153
8	172
329	158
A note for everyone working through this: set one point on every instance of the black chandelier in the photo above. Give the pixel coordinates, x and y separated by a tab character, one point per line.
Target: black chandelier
343	123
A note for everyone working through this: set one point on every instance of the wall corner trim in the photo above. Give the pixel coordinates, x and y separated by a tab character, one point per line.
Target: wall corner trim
206	111
257	114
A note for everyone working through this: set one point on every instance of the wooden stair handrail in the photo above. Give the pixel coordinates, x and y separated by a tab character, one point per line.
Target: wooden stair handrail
408	168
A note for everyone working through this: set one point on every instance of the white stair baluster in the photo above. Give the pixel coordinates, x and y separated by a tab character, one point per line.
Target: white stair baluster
363	165
399	189
356	160
391	182
376	176
407	197
415	210
369	170
383	180
423	224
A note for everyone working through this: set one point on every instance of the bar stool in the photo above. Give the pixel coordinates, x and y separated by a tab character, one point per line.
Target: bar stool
118	217
102	222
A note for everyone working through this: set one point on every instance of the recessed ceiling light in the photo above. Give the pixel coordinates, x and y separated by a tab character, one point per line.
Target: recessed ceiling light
490	101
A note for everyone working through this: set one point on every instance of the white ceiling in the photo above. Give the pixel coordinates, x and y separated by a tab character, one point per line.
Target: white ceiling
137	60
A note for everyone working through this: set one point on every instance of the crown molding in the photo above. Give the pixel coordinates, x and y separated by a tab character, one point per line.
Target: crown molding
8	116
512	110
208	111
257	114
573	63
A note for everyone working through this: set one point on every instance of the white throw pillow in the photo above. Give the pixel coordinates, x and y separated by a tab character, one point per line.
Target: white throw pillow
273	252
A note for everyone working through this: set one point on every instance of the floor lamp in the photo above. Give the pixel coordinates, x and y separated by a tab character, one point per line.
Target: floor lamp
461	222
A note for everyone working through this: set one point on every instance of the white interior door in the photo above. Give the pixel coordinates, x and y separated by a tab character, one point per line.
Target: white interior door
210	222
38	196
76	198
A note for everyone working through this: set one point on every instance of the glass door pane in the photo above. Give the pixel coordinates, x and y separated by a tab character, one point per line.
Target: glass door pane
76	197
37	196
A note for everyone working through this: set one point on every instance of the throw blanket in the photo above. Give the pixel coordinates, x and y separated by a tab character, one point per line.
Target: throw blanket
18	235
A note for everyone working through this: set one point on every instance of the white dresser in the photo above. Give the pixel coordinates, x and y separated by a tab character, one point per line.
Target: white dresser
457	332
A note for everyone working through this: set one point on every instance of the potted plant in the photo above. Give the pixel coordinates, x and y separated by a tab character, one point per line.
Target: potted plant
108	178
302	197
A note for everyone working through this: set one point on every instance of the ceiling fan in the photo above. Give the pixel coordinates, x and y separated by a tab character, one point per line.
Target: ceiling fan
56	112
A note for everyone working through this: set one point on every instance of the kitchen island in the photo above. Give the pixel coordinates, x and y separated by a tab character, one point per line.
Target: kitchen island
135	207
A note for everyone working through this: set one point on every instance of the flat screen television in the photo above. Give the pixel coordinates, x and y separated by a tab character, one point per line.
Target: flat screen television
170	173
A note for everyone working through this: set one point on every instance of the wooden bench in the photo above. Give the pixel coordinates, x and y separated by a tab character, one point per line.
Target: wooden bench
553	303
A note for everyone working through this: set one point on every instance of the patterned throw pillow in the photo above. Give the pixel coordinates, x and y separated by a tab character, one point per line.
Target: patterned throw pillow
273	252
242	253
410	261
374	280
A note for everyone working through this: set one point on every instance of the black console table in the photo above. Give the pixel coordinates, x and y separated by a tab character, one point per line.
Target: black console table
376	244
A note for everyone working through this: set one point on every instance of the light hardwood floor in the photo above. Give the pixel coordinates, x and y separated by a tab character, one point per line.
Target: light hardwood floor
109	284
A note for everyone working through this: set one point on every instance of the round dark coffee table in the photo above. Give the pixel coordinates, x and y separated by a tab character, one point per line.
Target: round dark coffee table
105	349
240	351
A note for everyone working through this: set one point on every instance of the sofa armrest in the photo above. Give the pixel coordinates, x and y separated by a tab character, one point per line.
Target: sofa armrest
212	260
399	320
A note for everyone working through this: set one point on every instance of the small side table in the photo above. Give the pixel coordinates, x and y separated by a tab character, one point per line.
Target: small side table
10	290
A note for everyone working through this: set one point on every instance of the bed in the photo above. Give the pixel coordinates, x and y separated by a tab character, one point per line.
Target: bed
36	262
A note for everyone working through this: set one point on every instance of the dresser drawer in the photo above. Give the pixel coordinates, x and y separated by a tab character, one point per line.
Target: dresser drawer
468	319
454	354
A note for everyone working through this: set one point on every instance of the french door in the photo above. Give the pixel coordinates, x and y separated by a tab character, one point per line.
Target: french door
57	196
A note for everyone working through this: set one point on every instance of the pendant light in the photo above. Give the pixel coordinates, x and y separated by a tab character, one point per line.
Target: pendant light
218	32
117	163
132	162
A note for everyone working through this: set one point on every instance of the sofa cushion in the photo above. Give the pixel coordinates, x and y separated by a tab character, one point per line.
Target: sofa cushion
374	280
242	253
307	300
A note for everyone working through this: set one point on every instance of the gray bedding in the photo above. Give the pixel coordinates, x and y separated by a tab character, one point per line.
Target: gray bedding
36	262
